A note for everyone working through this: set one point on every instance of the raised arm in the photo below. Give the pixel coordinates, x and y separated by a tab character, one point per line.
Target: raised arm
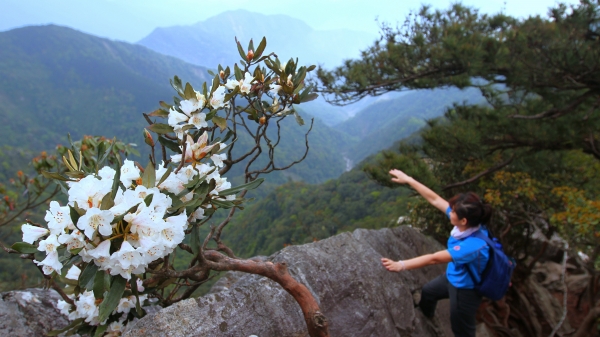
429	195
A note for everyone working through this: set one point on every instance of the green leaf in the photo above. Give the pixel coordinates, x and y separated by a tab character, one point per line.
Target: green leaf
215	84
55	175
149	178
112	299
159	113
189	91
299	119
176	84
251	45
311	68
242	52
68	327
161	128
148	199
99	284
100	330
210	72
74	214
165	105
75	251
237	72
230	95
221	122
222	203
299	76
309	97
169	144
116	181
227	136
211	114
165	175
249	186
108	152
87	276
261	48
107	202
24	248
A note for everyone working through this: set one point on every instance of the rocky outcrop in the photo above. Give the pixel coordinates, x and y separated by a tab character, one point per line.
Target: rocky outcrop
30	313
344	273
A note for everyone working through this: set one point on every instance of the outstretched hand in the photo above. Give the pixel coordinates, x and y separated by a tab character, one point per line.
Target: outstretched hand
399	176
392	265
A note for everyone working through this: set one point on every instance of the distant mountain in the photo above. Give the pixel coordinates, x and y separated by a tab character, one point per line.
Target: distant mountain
388	120
55	80
211	42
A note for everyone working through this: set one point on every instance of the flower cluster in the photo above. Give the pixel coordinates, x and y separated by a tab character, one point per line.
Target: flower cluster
86	307
135	231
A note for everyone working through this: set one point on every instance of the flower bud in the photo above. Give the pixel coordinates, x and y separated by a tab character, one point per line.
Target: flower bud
250	54
148	138
222	75
262	120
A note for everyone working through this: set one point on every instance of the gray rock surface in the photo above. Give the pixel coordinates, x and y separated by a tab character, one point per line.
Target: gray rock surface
30	313
344	273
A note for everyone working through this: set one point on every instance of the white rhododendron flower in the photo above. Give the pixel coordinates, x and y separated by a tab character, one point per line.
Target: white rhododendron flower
231	84
101	254
218	159
127	256
198	214
73	273
107	173
193	104
217	100
88	192
246	83
86	306
96	219
50	263
33	233
176	117
58	218
140	285
129	173
274	91
49	244
198	120
73	240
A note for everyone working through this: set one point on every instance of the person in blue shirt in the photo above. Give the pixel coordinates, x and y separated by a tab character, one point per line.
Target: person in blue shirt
466	257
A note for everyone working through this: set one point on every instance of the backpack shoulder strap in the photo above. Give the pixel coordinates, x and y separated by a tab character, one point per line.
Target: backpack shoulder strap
480	235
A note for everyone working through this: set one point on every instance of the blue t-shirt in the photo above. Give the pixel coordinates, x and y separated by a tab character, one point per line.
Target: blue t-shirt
470	252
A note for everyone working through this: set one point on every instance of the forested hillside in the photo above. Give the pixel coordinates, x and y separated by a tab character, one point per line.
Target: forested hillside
386	121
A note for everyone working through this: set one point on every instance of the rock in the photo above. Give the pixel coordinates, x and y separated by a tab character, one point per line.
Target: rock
30	313
344	273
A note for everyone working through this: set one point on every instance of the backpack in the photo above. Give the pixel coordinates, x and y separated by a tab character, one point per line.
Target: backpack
495	279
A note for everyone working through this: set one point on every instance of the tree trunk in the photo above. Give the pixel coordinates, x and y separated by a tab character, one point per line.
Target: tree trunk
316	322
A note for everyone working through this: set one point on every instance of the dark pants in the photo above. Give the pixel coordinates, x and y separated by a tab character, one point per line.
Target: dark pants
463	304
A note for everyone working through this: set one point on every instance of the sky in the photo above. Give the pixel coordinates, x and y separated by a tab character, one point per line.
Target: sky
131	20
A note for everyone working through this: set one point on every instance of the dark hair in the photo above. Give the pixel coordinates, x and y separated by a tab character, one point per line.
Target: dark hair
469	206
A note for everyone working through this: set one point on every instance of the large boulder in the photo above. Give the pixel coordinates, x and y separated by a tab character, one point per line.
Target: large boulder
344	273
30	313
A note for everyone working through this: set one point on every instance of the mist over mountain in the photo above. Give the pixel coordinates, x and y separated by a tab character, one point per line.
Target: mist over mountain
211	42
390	119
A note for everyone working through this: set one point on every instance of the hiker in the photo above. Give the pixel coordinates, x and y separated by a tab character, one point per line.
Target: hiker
466	212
